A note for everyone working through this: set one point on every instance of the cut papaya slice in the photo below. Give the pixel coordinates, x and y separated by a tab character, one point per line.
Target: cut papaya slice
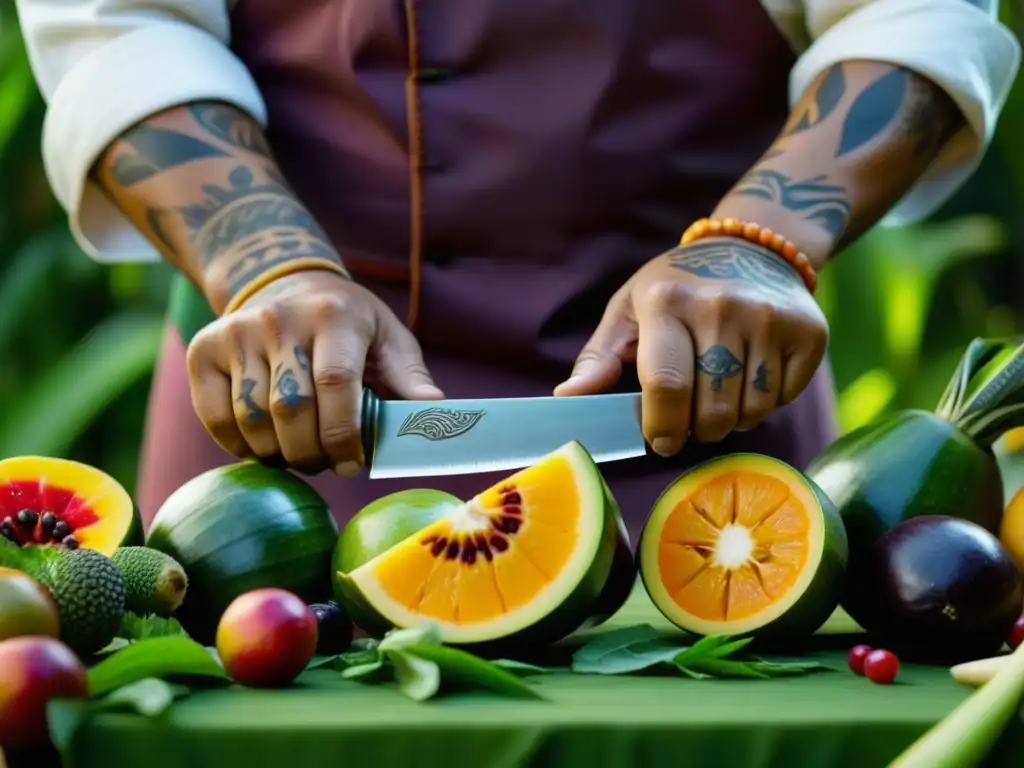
57	502
531	555
744	544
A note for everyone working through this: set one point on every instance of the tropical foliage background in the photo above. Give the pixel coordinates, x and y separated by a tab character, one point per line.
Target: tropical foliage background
78	341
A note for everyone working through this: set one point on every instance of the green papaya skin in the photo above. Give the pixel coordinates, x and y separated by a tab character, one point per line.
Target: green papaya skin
908	464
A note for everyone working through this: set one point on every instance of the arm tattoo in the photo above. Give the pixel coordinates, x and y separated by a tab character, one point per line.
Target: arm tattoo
226	124
827	96
736	260
825	204
155	150
250	226
901	102
720	364
760	382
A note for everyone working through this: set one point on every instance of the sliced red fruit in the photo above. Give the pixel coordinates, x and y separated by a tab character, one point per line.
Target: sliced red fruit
1017	633
50	502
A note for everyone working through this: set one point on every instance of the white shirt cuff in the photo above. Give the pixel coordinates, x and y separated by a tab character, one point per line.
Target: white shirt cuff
132	77
950	42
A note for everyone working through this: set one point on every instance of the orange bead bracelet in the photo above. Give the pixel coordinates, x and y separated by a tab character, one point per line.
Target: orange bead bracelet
785	249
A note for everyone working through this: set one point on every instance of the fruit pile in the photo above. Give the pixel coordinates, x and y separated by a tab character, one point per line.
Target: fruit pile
899	523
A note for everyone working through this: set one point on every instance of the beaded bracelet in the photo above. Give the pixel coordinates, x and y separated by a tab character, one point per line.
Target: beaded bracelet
264	279
755	233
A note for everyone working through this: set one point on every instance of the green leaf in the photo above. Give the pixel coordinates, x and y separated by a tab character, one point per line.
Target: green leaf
36	561
723	668
150	697
621	651
160	657
460	667
135	627
418	678
365	672
787	668
397	639
521	667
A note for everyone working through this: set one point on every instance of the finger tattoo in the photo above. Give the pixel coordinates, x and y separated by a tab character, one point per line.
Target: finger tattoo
301	357
760	382
245	396
288	387
720	364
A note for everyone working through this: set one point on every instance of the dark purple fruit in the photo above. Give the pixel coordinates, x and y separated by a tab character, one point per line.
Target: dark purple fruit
939	589
335	628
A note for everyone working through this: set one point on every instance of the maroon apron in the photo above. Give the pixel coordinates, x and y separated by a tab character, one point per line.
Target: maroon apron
495	171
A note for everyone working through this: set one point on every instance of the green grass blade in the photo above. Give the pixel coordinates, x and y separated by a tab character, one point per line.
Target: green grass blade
51	415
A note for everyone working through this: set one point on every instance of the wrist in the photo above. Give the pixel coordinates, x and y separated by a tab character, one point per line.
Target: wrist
817	243
230	285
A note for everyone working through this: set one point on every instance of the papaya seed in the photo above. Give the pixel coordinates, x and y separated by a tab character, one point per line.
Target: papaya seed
27	519
61	530
47	522
70	542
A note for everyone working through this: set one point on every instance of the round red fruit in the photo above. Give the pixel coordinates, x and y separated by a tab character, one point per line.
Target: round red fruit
1017	633
33	670
856	658
881	667
266	637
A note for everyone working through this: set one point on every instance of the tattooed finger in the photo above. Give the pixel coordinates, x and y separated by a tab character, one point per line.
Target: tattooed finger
293	405
718	388
762	383
250	390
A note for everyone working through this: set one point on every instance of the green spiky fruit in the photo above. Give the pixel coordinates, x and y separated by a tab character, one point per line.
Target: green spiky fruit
90	595
154	582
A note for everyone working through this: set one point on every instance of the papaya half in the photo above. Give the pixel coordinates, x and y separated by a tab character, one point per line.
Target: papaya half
57	502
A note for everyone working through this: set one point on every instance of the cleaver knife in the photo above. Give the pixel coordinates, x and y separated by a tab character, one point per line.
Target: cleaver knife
404	438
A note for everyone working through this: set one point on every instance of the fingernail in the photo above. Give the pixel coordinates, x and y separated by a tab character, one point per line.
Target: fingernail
428	391
347	469
663	446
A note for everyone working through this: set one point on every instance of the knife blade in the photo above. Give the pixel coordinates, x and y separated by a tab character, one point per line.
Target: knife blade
404	438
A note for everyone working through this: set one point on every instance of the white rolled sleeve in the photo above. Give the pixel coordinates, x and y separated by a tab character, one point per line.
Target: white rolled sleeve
105	65
953	43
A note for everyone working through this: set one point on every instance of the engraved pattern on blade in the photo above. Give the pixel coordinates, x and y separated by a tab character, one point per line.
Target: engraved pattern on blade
439	423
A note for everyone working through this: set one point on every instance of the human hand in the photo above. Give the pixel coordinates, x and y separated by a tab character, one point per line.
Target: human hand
722	332
283	375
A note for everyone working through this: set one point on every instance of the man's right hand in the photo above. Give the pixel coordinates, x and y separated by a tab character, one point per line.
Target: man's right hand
283	374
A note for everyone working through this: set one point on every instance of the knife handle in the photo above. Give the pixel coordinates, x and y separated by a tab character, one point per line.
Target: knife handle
368	424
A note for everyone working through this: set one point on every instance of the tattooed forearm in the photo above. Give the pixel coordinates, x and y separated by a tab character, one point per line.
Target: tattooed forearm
201	183
736	260
854	145
826	97
814	198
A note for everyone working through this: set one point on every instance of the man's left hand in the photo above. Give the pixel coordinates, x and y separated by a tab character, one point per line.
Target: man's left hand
722	333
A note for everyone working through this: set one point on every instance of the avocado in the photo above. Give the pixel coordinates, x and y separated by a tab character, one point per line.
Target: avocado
939	589
90	595
155	582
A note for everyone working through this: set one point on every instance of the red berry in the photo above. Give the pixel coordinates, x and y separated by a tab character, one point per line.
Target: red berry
881	667
1017	633
856	658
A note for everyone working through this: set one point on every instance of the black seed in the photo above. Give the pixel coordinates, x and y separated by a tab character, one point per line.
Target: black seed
27	519
453	550
438	547
498	544
512	498
7	532
60	530
70	542
481	545
428	540
469	552
512	510
8	521
507	524
48	520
